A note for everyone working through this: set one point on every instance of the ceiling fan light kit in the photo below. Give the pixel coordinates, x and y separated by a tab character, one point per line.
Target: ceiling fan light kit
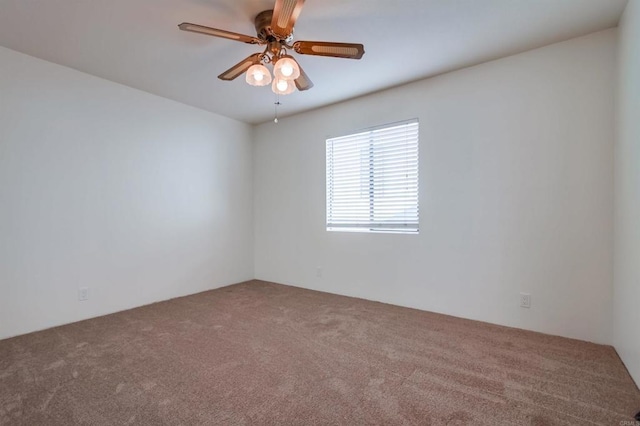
258	75
282	87
286	68
274	30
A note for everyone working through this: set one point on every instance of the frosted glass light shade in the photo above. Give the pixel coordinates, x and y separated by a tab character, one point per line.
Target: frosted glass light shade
258	75
282	87
286	68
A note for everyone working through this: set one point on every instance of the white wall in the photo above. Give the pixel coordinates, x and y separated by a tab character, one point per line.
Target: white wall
516	159
135	196
143	199
626	305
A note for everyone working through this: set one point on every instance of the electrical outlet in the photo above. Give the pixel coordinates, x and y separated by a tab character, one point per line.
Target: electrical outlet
319	272
525	300
83	294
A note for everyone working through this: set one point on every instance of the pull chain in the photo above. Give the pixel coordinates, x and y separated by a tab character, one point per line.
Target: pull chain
276	105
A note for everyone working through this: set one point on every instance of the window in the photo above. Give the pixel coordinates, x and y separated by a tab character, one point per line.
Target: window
372	180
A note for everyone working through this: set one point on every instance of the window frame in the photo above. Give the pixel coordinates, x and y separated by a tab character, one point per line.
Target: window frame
377	203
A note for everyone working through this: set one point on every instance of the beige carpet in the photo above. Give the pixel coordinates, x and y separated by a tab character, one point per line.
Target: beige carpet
266	354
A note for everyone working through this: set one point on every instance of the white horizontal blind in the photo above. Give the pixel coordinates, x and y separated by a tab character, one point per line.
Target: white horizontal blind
372	179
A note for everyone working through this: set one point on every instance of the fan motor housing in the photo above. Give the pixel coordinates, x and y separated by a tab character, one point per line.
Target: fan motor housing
263	27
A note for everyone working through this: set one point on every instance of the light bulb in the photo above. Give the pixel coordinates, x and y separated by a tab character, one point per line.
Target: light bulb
286	68
282	87
258	75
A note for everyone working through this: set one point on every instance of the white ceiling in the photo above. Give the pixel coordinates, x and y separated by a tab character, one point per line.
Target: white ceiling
137	42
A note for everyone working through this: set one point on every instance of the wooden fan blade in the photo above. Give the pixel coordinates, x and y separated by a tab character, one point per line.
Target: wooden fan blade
303	82
200	29
285	14
239	68
325	48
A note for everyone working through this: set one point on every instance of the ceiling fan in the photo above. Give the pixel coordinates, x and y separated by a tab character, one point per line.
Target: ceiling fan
275	30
